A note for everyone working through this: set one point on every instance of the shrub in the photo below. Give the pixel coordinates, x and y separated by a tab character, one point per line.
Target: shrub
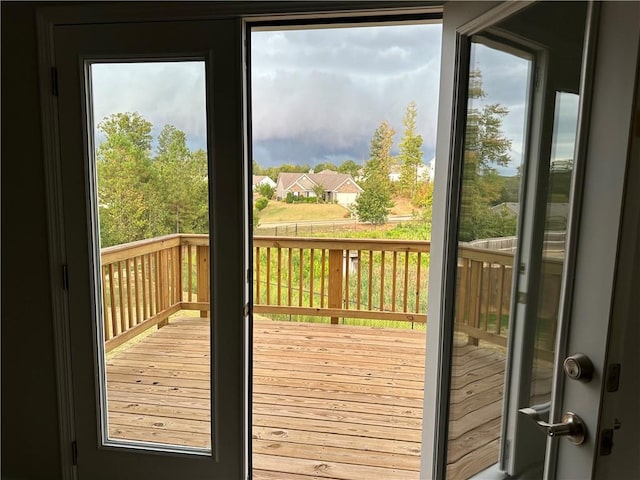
261	203
266	190
289	198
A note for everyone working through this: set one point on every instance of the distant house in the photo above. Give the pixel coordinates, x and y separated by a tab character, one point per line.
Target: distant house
262	180
338	187
424	172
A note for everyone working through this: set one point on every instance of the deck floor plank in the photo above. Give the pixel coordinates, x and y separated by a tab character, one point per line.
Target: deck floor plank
329	401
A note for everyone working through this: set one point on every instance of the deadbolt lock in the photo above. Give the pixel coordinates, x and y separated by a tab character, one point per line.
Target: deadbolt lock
578	367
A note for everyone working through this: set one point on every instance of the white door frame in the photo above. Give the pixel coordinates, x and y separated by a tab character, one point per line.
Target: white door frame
47	19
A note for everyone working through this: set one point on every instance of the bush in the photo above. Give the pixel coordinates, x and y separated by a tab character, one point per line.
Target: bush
266	190
289	198
261	203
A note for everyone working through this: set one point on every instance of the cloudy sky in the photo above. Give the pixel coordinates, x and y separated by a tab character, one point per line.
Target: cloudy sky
319	94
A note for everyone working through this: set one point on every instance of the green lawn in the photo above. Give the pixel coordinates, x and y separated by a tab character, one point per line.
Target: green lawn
299	212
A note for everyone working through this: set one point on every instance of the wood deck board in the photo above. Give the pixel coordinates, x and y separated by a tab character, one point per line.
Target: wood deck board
329	401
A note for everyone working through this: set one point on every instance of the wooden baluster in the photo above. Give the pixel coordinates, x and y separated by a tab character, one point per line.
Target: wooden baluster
121	296
301	276
163	283
406	284
474	311
202	282
311	274
177	272
146	309
418	282
289	275
489	297
279	276
136	267
105	309
130	320
382	261
394	281
268	302
335	281
322	277
189	274
461	315
359	281
256	276
370	279
500	299
114	309
347	266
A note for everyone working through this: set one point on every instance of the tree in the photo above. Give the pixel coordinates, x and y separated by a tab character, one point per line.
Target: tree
181	184
374	203
325	166
410	152
266	190
125	178
350	167
378	167
143	197
318	191
486	148
373	206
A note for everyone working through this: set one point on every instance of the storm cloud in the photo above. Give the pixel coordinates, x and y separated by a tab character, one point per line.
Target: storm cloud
318	95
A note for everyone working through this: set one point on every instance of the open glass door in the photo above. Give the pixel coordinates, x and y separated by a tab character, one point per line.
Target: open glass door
512	240
156	258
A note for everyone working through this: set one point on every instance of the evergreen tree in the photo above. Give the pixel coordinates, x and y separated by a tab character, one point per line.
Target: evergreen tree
374	203
486	148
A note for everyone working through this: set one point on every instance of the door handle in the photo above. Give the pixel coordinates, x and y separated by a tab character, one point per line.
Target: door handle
570	426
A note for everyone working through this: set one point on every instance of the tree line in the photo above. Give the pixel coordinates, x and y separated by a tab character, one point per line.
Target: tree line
145	195
145	192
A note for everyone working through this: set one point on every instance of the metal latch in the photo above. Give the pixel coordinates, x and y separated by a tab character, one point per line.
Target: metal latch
570	426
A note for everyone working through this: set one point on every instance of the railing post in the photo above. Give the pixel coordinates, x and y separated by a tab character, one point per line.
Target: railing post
163	277
202	259
335	281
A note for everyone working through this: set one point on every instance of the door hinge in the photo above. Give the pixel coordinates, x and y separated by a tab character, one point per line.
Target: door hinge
613	377
54	81
74	452
65	277
246	310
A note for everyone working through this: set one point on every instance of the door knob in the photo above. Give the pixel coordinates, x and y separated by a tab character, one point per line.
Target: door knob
570	426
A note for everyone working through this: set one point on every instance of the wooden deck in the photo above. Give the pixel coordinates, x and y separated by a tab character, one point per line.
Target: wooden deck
330	401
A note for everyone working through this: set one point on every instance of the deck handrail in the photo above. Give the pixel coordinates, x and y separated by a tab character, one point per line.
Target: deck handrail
145	282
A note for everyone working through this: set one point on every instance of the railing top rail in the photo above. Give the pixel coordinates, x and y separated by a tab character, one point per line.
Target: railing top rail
389	245
141	247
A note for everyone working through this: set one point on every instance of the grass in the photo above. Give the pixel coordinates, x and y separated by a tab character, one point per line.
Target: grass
299	212
403	206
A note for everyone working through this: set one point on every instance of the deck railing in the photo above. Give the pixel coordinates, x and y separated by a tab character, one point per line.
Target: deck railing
145	282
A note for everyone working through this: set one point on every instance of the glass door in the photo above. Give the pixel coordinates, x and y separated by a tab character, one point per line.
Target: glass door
155	226
512	240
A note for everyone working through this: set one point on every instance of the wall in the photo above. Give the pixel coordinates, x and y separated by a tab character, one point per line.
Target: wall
30	445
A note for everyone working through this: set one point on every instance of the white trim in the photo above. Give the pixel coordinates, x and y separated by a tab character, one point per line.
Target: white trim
56	243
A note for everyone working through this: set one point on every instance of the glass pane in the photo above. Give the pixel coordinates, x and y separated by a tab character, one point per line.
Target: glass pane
560	173
497	111
152	205
343	124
